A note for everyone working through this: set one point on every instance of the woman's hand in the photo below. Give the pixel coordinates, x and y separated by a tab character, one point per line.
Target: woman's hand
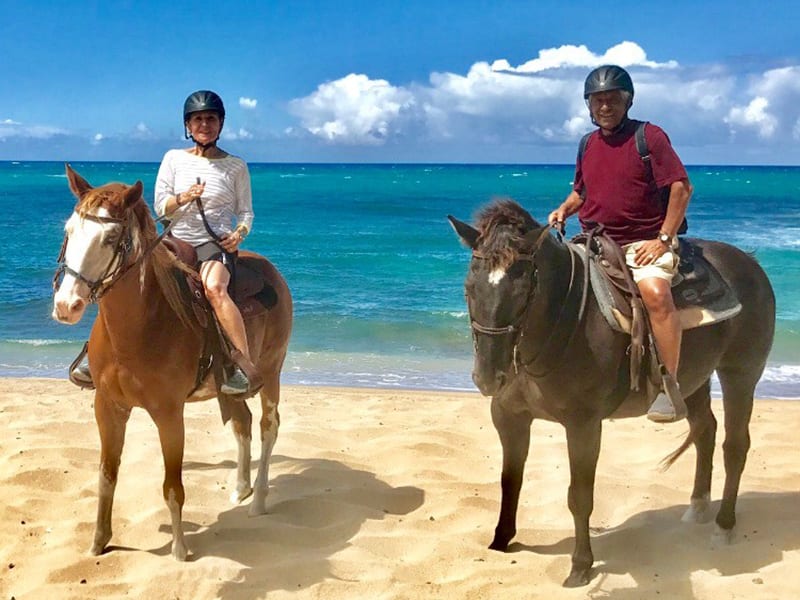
231	241
195	191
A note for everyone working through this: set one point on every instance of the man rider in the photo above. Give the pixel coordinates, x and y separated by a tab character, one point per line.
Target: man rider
614	187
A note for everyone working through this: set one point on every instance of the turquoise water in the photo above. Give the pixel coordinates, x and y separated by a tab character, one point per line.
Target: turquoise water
375	270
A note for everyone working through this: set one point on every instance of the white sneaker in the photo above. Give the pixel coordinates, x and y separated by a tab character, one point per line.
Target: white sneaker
237	383
661	410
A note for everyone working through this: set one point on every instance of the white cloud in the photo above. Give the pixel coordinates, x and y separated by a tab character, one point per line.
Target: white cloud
624	54
142	132
754	115
354	110
10	128
540	102
247	103
240	134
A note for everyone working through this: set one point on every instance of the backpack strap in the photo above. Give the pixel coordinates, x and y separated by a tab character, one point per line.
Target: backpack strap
582	145
581	152
641	146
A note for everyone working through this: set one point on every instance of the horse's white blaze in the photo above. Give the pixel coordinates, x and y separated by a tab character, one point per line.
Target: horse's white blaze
86	254
496	276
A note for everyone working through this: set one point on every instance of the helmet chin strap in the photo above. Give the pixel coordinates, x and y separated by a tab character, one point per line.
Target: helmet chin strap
203	147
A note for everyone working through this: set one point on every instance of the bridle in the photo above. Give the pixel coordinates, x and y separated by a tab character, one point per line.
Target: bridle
516	328
118	264
114	268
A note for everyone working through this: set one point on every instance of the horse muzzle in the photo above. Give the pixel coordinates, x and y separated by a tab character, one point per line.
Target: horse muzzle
489	382
68	309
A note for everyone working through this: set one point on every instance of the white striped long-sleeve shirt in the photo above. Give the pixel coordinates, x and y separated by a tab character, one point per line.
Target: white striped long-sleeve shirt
227	199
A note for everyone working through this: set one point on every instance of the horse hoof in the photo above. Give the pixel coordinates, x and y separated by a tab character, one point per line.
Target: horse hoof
99	544
97	549
257	509
721	537
577	578
698	511
502	539
258	506
239	495
179	552
499	545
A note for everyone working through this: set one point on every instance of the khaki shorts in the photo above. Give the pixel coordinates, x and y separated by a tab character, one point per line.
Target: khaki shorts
665	267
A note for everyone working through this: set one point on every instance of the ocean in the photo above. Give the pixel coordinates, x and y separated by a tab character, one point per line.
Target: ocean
375	270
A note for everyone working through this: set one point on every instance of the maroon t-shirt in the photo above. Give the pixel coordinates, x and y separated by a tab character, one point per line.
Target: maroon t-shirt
619	193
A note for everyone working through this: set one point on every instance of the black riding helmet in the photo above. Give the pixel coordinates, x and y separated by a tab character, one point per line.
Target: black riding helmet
607	78
202	100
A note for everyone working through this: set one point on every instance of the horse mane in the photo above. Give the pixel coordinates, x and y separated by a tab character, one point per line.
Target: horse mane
502	226
143	235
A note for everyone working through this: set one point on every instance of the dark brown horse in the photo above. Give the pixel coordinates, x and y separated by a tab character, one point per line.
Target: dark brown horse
145	345
538	356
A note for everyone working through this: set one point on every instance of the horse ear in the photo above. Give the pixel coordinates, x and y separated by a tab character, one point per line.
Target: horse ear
79	186
467	233
133	193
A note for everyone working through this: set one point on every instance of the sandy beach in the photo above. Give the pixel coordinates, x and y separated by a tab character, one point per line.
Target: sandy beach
381	494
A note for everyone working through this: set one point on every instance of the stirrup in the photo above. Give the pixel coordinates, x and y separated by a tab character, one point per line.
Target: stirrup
236	384
79	372
668	407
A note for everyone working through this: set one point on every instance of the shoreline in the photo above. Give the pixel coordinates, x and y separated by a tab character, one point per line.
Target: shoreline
382	494
715	393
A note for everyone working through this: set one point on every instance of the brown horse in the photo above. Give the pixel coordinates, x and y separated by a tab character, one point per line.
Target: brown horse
541	352
145	345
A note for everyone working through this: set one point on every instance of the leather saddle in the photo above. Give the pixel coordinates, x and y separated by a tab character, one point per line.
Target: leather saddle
253	295
700	293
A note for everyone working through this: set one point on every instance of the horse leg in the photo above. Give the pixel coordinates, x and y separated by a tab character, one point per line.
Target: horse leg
583	446
241	423
514	430
702	421
111	424
737	392
171	434
270	421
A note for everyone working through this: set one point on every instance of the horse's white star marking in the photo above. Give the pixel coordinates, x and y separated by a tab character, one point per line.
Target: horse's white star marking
496	276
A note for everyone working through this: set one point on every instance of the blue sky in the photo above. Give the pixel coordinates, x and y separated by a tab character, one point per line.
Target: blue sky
411	81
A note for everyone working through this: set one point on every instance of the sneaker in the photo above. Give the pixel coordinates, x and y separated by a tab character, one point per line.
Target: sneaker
668	406
81	375
237	383
661	410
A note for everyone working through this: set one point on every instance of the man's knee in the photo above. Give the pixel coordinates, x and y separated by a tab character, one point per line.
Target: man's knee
657	296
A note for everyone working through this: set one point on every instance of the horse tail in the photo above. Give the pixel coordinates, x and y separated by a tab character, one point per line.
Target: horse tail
691	437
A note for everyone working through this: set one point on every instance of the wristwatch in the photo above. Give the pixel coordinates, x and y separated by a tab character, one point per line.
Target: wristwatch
665	238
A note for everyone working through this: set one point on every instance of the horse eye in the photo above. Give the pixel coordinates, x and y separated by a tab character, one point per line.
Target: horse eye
516	270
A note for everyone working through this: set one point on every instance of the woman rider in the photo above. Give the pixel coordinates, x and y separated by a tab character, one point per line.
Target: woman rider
221	182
